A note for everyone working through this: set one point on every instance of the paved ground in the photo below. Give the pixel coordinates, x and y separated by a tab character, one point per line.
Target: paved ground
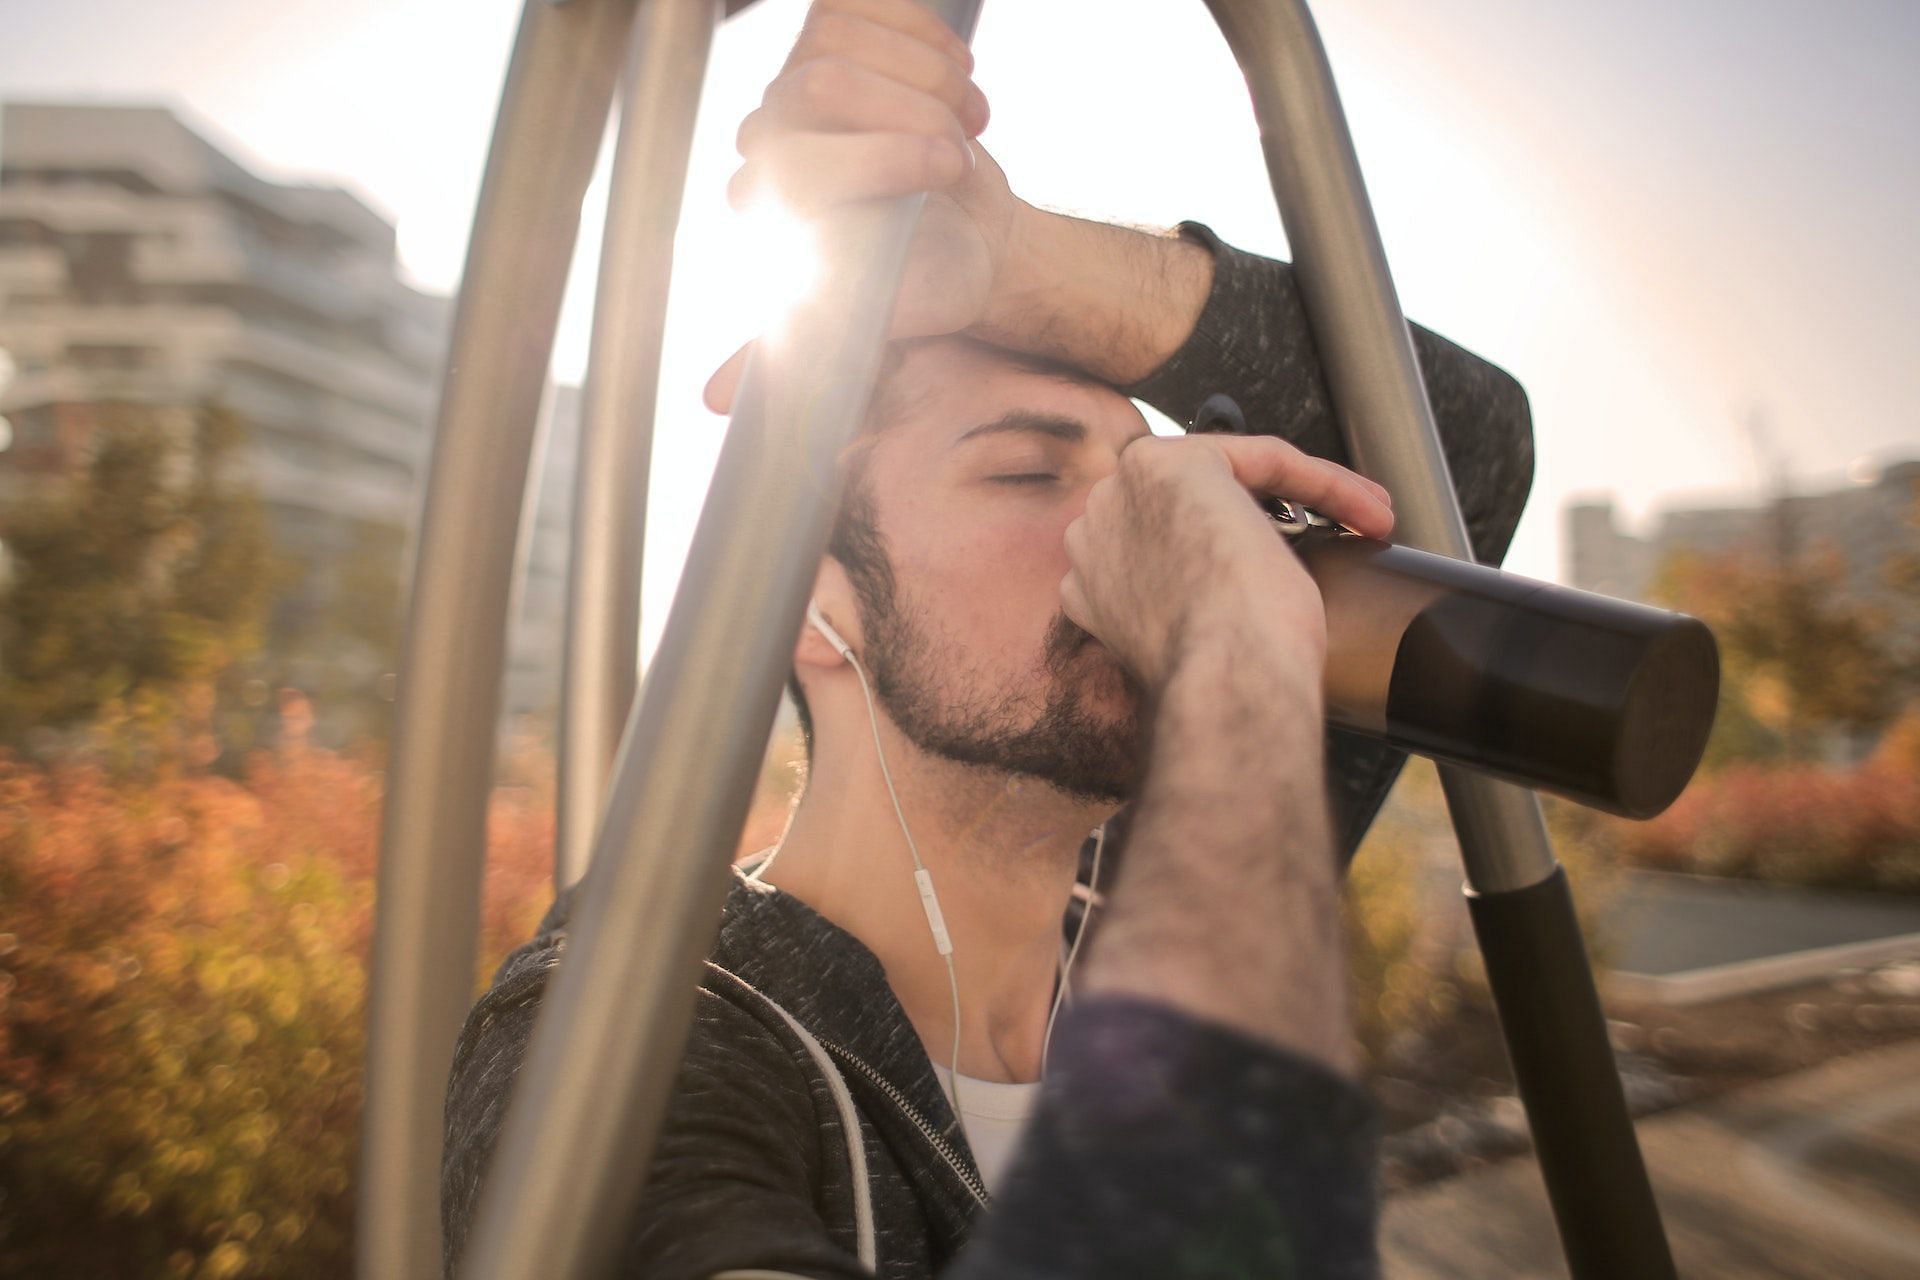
1666	924
1811	1177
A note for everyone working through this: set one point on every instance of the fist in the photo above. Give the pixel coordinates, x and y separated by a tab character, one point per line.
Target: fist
877	101
1172	549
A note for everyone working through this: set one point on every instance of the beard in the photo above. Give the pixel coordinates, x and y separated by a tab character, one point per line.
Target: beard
1083	738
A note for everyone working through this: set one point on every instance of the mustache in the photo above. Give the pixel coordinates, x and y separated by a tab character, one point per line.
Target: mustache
1064	638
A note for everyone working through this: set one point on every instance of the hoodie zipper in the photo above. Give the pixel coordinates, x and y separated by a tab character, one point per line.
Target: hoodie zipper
967	1176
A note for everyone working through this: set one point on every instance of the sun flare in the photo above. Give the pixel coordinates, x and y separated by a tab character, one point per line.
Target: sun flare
773	263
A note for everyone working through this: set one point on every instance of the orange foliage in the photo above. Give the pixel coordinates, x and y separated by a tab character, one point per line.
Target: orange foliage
182	981
1854	828
182	989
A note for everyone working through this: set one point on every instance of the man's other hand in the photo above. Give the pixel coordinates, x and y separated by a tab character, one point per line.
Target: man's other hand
877	101
1171	545
1229	869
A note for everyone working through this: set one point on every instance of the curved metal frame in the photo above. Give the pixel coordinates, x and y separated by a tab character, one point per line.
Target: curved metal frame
1596	1179
605	1053
559	84
601	668
1362	336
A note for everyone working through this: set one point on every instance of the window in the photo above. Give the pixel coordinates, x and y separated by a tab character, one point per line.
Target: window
108	355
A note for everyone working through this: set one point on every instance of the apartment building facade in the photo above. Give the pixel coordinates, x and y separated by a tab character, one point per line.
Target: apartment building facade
1869	521
140	264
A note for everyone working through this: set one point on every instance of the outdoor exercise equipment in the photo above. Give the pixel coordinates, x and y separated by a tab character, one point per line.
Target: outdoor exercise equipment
653	822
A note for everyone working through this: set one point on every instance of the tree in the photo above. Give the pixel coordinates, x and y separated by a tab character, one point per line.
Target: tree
1801	658
147	576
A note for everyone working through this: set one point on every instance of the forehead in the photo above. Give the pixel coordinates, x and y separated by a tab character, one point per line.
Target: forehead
941	394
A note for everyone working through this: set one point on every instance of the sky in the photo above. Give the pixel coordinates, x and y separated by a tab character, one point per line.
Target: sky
1685	225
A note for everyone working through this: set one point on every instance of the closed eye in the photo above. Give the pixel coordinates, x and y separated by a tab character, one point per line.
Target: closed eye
1026	477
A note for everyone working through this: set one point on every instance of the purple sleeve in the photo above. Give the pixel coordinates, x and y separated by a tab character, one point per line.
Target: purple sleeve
1164	1146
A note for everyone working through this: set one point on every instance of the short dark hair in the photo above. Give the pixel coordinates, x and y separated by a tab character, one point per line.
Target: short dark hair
857	544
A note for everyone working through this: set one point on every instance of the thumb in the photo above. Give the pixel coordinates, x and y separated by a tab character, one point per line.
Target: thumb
725	382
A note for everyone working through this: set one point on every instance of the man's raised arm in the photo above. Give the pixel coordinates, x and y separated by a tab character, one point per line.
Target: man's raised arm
1111	300
876	100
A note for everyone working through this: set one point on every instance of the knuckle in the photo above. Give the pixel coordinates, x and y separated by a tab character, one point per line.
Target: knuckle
825	82
1145	456
950	83
930	116
932	160
831	26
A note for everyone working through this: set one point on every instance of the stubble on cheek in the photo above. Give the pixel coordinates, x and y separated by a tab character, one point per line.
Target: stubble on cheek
1074	722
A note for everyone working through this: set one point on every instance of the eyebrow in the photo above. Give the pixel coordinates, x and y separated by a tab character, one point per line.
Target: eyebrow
1027	422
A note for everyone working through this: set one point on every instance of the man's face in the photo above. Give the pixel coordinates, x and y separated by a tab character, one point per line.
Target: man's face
970	488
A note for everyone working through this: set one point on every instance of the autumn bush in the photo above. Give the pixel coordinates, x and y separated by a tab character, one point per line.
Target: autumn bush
182	981
1800	823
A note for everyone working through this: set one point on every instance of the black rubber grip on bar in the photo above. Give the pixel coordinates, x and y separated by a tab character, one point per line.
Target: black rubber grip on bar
1557	1042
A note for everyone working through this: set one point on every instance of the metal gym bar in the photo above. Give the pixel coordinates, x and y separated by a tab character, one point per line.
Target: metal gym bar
433	841
1518	896
675	795
600	671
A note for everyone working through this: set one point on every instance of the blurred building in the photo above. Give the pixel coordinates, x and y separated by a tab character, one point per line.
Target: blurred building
141	264
538	638
1869	522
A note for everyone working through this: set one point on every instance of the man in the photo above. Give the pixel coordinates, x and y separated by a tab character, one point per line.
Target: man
1032	612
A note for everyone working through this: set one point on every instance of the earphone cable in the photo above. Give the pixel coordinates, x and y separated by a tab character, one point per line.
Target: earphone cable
1079	936
935	922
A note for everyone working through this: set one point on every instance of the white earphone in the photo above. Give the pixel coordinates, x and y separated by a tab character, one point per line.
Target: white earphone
825	628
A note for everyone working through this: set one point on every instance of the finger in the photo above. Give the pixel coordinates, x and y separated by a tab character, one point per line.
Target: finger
1098	498
836	33
818	171
1075	540
1274	467
1073	601
833	95
1377	489
725	382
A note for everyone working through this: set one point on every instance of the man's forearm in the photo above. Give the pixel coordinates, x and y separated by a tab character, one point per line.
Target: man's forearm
1227	907
1110	300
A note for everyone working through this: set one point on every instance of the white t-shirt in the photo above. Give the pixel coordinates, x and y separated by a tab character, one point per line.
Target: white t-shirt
994	1115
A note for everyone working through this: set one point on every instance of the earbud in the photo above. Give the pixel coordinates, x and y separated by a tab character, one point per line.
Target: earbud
825	628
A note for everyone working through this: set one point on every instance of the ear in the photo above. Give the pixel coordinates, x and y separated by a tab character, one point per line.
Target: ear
835	596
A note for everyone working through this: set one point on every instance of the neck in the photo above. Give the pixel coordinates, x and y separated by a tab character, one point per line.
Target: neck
1002	852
